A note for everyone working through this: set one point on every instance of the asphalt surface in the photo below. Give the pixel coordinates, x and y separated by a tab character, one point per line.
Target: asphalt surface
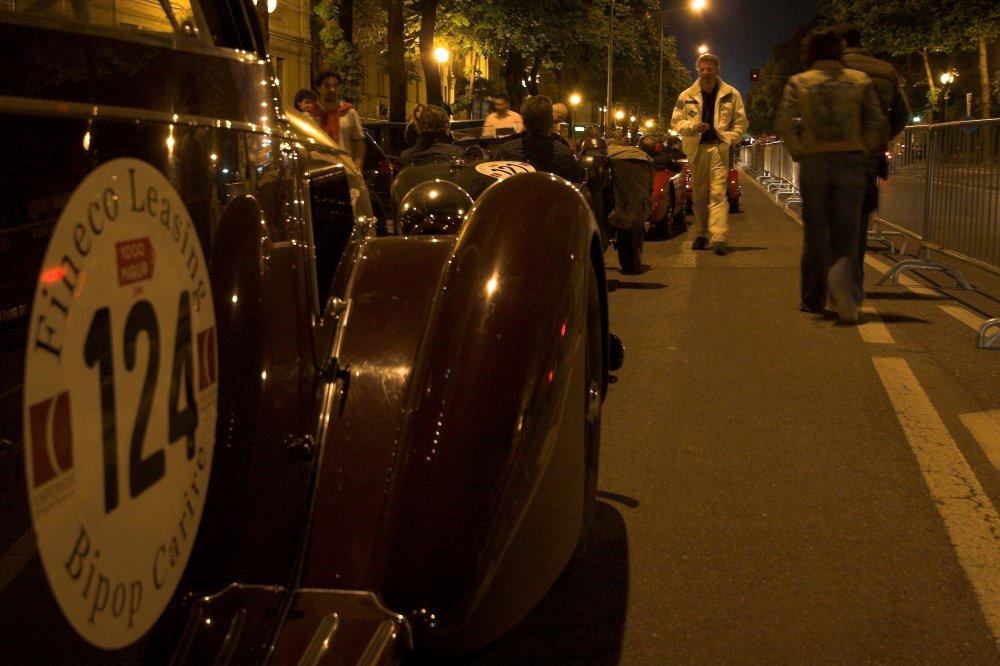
777	488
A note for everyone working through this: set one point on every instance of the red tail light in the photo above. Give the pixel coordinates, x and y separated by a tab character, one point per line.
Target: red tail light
387	167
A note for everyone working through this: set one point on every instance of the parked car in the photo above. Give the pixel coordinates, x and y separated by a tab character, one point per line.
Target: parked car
236	426
733	191
379	169
668	201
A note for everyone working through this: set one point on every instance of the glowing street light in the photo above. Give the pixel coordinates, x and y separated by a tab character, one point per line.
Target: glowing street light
703	49
442	55
696	6
946	80
574	101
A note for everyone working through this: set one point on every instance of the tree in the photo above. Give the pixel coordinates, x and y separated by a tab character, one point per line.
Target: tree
925	27
337	51
397	62
432	72
786	59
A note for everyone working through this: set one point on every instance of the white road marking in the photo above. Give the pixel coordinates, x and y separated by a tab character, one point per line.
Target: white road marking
970	518
872	329
903	279
968	318
985	427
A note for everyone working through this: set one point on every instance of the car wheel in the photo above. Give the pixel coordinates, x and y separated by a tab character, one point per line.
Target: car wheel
630	247
734	205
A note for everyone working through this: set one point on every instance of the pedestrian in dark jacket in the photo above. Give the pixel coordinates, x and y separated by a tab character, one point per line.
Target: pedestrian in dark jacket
434	142
890	96
831	122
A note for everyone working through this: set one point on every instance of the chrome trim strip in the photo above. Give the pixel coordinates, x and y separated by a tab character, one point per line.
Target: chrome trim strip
379	645
320	642
56	108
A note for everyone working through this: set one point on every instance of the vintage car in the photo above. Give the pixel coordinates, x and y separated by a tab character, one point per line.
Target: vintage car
235	425
379	168
733	191
669	185
621	185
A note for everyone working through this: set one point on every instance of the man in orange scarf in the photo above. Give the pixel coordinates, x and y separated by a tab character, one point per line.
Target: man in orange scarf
338	118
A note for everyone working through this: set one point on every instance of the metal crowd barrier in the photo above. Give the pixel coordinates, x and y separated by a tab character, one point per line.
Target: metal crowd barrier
943	192
772	165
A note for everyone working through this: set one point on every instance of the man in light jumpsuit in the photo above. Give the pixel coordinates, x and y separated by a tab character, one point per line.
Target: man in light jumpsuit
710	118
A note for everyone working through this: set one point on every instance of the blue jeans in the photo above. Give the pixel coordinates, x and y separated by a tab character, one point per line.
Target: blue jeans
833	189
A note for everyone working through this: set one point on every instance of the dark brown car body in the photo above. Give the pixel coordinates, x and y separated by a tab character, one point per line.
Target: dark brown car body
385	442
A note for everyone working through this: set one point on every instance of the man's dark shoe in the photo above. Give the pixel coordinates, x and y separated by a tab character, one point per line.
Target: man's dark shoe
700	243
721	249
811	309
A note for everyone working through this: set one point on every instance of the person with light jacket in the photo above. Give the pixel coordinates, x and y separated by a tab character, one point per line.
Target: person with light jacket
831	122
709	117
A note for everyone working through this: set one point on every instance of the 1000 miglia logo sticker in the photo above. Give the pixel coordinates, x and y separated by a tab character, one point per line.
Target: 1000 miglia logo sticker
120	401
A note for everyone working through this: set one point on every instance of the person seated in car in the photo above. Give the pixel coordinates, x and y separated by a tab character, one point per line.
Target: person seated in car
647	144
434	142
672	147
538	146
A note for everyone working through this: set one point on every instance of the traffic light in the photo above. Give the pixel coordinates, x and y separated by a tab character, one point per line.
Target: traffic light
754	75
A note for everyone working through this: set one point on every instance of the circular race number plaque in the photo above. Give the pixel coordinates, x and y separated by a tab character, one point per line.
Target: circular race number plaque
120	401
503	169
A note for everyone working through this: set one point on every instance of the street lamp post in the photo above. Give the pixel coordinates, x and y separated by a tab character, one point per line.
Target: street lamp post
574	101
611	60
659	99
696	6
442	56
946	80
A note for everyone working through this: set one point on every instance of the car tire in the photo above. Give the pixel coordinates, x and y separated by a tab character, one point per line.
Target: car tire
630	243
734	205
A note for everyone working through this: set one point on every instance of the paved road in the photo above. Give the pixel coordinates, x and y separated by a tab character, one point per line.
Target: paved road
780	489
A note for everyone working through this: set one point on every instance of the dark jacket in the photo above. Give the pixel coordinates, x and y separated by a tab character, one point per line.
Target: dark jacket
544	153
430	148
886	82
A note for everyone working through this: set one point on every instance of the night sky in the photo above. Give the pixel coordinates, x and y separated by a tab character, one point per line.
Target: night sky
740	32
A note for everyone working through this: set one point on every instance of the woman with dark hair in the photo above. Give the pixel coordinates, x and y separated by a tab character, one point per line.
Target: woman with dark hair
537	145
830	120
410	132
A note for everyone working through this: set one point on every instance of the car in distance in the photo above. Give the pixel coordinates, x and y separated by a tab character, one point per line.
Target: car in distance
379	169
236	425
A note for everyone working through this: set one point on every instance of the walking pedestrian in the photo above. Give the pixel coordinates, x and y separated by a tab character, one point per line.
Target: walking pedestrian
830	120
890	96
709	117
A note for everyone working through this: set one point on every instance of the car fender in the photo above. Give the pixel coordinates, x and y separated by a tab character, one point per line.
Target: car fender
461	406
489	394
